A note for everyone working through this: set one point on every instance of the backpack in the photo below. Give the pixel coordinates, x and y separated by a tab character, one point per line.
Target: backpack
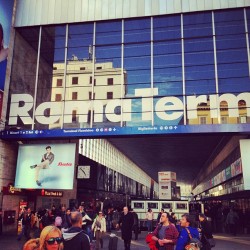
194	243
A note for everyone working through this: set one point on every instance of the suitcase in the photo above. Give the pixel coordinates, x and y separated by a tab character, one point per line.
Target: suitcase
113	242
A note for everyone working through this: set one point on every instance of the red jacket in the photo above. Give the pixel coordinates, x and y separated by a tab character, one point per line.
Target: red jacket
151	243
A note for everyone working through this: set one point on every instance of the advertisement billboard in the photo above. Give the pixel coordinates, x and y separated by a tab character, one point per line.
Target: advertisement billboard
165	190
167	182
6	9
45	166
166	176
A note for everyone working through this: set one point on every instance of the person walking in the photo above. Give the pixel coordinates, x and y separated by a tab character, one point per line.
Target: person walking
231	221
74	238
126	223
159	215
109	218
99	228
206	232
26	224
165	234
173	218
150	218
136	226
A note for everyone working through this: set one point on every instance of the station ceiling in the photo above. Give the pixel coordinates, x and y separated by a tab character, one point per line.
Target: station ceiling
184	154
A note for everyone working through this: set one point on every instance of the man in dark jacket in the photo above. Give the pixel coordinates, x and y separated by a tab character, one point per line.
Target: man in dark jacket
26	224
74	238
126	222
206	232
136	226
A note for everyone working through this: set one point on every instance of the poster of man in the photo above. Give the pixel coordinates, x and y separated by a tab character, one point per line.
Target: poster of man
46	161
45	166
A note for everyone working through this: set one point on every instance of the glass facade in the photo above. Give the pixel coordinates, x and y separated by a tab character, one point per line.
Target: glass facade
162	70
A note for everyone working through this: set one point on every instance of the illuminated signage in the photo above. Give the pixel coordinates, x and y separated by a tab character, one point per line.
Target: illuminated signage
13	190
51	193
167	108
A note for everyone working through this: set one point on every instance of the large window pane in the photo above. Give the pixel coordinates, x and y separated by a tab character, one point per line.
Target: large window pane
167	28
137	68
23	73
231	51
52	56
108	76
137	30
199	66
108	32
199	58
78	75
167	71
197	25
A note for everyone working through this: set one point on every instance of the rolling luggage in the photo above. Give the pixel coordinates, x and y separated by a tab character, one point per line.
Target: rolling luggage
113	242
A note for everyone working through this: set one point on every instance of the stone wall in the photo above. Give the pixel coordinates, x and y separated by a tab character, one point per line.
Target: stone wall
8	157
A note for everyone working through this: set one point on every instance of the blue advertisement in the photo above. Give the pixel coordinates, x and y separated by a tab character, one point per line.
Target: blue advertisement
6	9
45	166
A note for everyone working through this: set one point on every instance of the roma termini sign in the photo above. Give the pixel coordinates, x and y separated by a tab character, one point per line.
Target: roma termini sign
167	108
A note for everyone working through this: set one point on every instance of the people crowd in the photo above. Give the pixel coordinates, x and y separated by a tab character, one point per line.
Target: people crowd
226	219
84	228
81	228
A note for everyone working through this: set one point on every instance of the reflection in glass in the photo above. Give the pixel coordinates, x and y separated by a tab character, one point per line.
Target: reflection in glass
108	76
199	62
199	54
23	73
233	73
52	53
78	75
136	30
168	111
167	72
197	25
167	28
137	65
108	32
99	92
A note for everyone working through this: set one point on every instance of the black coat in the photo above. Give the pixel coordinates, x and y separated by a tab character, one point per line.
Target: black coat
75	239
126	222
206	230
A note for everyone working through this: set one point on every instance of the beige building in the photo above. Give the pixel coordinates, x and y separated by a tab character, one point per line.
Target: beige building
105	84
204	114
